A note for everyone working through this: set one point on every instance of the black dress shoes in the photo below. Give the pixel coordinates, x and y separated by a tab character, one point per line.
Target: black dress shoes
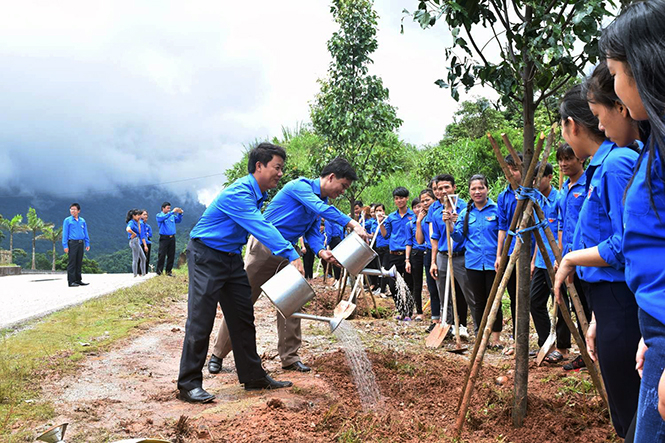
297	366
266	383
196	395
73	285
215	364
82	284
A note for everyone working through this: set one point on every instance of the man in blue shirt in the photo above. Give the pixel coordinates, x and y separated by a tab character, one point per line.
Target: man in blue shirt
166	220
295	212
395	230
74	239
217	275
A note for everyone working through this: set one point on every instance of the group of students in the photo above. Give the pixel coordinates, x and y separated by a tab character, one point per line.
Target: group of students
608	219
139	234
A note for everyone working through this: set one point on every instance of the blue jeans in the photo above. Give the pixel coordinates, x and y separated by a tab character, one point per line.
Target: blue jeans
650	425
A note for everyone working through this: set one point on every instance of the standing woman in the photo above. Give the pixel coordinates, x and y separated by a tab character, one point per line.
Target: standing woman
135	238
613	333
147	230
635	52
381	246
415	256
478	226
423	236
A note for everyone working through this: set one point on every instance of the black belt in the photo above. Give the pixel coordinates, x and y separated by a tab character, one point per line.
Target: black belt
397	252
75	241
455	254
166	236
229	254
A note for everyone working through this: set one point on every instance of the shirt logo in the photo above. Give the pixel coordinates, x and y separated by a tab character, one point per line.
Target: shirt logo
551	220
590	191
576	194
490	218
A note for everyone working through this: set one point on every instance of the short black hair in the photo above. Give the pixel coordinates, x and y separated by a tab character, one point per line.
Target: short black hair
510	161
414	202
341	168
263	153
445	178
131	213
379	205
565	151
75	205
549	169
400	191
165	204
358	203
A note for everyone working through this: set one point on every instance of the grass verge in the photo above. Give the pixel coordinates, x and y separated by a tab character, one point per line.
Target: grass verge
53	345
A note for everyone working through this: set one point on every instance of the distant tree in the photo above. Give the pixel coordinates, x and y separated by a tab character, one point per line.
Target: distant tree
18	254
352	111
2	234
54	236
35	225
13	226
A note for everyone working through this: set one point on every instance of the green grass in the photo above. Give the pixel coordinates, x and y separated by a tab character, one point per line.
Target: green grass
52	346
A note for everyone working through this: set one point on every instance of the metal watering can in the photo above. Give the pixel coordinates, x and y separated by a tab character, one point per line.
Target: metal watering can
57	433
289	291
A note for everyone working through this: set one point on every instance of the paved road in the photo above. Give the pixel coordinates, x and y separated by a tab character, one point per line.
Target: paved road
28	296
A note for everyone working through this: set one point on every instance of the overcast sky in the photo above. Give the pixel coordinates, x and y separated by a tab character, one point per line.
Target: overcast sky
98	94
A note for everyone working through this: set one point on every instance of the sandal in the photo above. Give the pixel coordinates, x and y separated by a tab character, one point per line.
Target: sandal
575	365
495	347
418	318
510	350
554	357
431	327
398	317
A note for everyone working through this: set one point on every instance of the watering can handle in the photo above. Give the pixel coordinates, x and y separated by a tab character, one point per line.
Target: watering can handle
371	245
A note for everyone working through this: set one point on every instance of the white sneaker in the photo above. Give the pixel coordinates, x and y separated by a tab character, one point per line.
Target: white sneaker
377	291
336	284
463	332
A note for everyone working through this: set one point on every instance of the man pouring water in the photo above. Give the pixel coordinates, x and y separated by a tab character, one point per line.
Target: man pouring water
296	212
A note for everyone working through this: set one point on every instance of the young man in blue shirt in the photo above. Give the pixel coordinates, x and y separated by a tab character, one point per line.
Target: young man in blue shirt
295	212
217	275
74	239
395	230
166	221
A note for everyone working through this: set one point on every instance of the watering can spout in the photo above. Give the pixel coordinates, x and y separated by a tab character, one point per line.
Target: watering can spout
332	322
380	272
55	434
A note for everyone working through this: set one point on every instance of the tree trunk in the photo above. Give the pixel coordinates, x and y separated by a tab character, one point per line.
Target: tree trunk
53	265
522	311
34	240
11	246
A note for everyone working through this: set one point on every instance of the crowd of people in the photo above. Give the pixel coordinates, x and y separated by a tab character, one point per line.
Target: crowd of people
607	217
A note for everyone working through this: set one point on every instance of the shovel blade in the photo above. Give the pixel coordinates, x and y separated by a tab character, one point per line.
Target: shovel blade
547	347
461	350
344	309
436	337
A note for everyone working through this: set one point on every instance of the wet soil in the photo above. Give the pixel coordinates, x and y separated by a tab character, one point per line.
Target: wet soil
130	391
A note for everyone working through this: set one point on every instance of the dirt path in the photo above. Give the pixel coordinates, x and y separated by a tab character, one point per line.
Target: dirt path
130	392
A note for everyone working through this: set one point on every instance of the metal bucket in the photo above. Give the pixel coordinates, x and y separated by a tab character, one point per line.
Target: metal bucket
288	291
353	253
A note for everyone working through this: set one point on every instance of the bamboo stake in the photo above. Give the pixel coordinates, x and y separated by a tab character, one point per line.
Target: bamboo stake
504	254
453	292
512	151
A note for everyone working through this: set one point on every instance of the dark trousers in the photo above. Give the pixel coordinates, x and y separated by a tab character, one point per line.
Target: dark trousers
336	270
75	260
147	259
399	261
562	331
512	293
435	303
417	260
166	252
541	288
384	259
308	262
617	337
481	286
217	278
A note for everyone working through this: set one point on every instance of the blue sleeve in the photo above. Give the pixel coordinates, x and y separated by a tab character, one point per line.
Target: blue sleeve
65	234
410	234
436	228
504	222
314	237
303	193
389	227
613	186
161	217
458	230
86	238
241	207
177	217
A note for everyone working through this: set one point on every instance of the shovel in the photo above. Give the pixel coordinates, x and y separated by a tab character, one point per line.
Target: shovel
551	339
459	349
438	334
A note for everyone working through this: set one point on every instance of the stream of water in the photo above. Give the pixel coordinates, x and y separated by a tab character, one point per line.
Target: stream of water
361	367
404	302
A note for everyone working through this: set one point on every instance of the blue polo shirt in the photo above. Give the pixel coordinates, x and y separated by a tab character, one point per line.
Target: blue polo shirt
550	209
331	230
73	229
411	239
381	241
233	215
482	238
297	209
166	222
148	232
134	226
439	228
570	203
601	217
396	229
507	202
644	237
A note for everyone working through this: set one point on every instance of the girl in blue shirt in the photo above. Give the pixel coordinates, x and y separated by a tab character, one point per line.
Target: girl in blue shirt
423	232
415	256
136	236
613	333
478	225
148	236
635	51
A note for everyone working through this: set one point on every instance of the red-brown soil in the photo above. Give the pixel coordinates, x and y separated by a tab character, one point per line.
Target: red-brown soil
130	391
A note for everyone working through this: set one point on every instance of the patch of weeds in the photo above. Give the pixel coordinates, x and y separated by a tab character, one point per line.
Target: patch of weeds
380	312
581	386
52	346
